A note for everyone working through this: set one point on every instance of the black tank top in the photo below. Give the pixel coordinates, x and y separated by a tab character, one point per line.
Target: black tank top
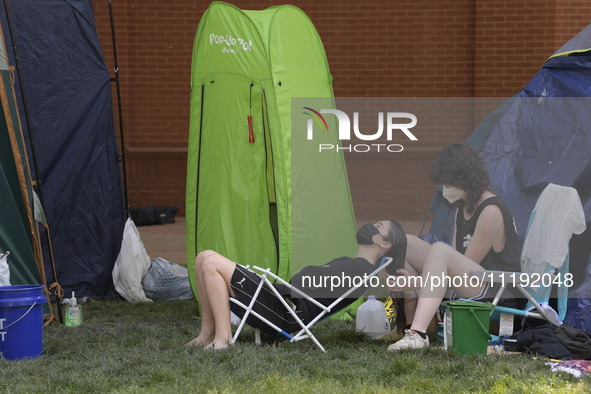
507	259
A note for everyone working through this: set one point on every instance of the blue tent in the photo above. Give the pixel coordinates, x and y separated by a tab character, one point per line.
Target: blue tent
542	135
68	94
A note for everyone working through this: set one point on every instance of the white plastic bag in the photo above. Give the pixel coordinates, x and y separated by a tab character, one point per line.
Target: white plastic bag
131	265
4	270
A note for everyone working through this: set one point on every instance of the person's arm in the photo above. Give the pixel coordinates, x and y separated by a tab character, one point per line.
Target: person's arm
487	229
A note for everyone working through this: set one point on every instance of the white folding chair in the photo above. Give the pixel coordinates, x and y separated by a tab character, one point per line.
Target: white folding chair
305	328
537	286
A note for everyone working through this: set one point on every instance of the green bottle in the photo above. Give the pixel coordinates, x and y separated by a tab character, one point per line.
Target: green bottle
73	313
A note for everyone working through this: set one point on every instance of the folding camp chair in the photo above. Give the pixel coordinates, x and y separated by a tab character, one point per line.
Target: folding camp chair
537	286
305	328
436	206
441	228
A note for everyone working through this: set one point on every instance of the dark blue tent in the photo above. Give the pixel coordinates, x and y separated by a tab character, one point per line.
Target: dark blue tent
542	135
545	137
68	94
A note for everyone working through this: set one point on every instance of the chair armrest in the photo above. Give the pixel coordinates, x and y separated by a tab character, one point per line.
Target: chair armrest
502	277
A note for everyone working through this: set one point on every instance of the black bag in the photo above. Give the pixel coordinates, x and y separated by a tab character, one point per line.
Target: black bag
165	214
152	215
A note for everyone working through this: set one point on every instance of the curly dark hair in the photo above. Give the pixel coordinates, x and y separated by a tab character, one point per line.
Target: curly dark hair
459	165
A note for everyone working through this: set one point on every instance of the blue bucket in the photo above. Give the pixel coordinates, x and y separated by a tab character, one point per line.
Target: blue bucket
21	321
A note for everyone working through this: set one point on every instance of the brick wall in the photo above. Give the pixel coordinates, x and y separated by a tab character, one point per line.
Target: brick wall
403	48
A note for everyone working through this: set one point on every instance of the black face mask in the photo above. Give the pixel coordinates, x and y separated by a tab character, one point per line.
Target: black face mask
365	234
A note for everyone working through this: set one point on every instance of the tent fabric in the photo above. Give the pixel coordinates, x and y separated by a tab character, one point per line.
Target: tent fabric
579	43
17	232
240	191
19	235
68	92
538	136
542	137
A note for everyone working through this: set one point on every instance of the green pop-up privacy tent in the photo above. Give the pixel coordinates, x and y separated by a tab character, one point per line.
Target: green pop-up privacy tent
248	197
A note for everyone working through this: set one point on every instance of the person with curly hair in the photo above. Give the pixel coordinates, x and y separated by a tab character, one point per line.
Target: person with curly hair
484	238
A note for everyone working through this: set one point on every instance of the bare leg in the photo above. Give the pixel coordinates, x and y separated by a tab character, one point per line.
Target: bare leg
207	332
217	274
410	307
416	255
416	252
213	273
442	261
410	296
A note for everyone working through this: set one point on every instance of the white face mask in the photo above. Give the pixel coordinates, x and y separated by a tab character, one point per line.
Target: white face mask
452	194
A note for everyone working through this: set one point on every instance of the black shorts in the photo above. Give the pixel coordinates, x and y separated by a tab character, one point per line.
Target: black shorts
244	284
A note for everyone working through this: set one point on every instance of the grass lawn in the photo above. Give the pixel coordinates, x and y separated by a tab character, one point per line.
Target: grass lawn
123	347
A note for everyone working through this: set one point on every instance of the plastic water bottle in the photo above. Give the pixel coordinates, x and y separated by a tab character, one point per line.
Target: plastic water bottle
73	313
372	318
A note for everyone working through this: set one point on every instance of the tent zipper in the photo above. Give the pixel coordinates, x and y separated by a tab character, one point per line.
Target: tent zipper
269	146
199	164
250	133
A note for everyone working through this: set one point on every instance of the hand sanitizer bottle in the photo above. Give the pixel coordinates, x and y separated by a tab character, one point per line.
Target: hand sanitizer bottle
73	313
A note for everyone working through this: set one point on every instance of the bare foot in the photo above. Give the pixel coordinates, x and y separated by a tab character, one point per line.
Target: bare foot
204	340
218	345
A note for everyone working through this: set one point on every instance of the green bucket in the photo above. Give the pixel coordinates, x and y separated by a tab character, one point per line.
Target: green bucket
466	326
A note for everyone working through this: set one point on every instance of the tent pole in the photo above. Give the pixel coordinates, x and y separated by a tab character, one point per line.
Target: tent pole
116	80
33	151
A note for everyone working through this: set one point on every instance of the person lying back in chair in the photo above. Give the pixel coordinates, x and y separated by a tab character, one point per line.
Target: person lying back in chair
218	278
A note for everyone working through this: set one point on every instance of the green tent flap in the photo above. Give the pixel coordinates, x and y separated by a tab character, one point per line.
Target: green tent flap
252	195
